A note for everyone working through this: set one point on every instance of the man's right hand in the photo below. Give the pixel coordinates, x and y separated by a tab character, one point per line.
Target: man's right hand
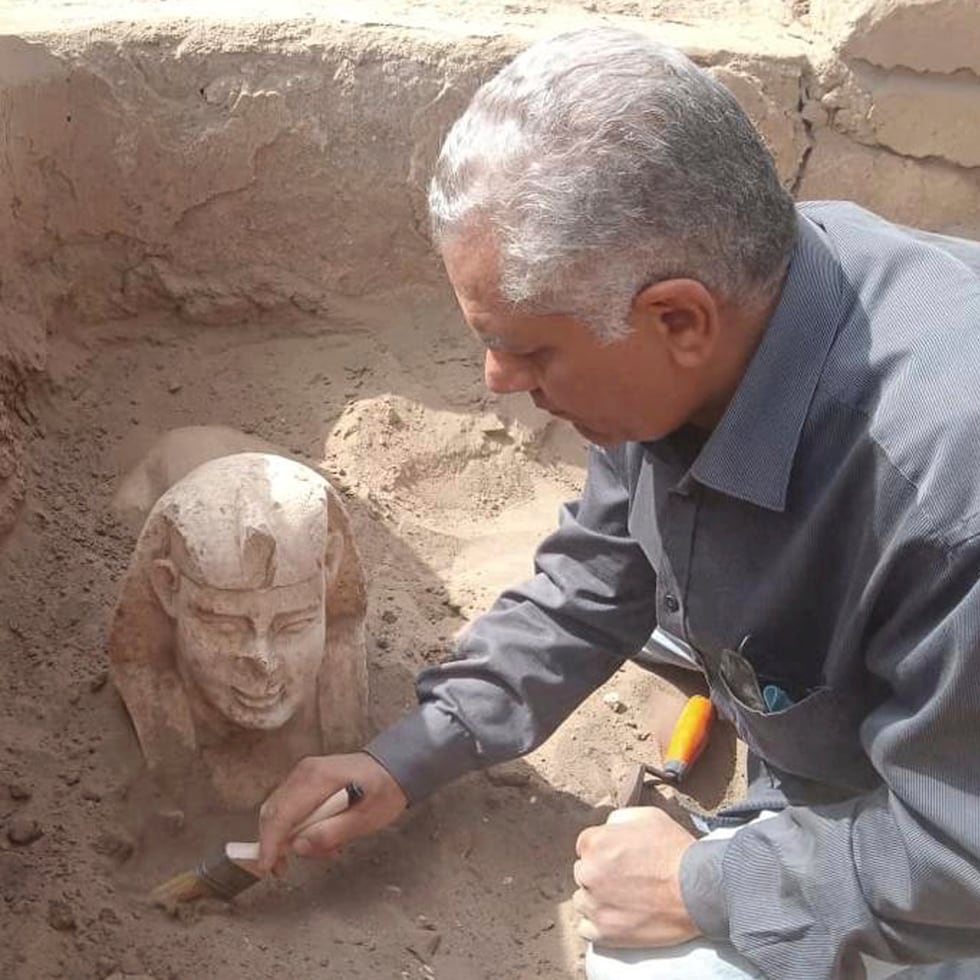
312	781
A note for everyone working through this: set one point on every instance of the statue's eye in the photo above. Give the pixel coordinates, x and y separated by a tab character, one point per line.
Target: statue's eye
225	625
295	626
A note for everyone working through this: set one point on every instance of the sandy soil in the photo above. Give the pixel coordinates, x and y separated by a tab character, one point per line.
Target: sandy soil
448	490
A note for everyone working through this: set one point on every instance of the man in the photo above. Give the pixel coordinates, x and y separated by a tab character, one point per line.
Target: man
785	416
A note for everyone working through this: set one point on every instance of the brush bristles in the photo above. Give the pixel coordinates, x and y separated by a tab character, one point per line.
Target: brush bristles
216	877
186	887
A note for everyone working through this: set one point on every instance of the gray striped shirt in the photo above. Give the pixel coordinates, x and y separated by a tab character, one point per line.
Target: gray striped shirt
823	541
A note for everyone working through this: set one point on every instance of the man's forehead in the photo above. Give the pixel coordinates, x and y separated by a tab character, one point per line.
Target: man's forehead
517	331
498	325
474	270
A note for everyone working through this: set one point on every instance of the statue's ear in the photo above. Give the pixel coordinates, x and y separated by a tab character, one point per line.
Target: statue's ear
335	551
165	580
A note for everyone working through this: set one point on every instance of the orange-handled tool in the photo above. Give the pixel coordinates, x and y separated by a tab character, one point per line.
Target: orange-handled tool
687	740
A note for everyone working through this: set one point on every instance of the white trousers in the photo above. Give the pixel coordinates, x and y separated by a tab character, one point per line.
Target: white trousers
697	960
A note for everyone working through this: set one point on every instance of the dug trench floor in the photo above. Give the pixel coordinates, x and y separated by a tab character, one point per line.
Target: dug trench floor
448	490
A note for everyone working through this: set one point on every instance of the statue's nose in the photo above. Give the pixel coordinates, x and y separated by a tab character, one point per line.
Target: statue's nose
260	656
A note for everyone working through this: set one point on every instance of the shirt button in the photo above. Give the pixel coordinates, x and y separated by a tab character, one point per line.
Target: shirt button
671	604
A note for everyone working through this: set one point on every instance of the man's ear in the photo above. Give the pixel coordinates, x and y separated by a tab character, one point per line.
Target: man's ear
165	579
335	551
685	316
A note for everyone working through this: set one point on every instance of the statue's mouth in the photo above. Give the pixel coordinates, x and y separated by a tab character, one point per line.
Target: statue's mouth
259	699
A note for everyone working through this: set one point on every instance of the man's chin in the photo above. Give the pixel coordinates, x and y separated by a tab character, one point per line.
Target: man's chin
597	438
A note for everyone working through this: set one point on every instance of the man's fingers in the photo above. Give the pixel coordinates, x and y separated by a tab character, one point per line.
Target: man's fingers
305	848
585	906
584	840
313	781
583	902
294	799
324	838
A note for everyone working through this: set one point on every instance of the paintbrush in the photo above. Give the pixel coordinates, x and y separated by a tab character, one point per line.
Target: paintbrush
226	873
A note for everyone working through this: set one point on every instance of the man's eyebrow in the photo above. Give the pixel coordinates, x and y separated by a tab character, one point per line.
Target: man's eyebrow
489	340
493	342
481	326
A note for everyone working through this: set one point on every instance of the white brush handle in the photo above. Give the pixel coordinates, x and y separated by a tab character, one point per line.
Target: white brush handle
249	850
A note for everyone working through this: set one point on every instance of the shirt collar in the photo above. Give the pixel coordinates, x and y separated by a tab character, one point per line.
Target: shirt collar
750	453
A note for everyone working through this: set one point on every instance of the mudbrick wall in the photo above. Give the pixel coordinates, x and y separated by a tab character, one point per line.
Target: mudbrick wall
228	166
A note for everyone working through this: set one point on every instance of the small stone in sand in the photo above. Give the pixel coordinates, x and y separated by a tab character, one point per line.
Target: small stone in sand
130	965
426	944
105	965
114	844
171	820
23	831
60	915
614	702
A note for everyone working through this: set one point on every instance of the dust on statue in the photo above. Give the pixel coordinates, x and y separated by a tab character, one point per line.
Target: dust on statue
237	643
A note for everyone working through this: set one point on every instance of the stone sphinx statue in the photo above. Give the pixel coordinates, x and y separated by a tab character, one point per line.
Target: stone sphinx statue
237	643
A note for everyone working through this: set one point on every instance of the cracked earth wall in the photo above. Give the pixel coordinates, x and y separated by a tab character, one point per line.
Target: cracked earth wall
221	171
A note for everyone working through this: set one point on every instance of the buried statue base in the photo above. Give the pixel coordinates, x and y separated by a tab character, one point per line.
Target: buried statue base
237	643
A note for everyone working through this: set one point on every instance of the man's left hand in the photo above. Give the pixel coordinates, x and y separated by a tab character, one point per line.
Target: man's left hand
628	878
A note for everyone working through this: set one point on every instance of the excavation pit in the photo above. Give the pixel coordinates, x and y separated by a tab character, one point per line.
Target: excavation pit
221	222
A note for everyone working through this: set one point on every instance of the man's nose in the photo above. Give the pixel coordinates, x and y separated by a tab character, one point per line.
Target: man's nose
506	374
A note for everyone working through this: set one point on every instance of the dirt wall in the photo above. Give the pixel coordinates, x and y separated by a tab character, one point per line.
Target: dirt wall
225	169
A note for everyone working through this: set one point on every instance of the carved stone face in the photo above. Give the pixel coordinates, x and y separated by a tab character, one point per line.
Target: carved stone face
251	655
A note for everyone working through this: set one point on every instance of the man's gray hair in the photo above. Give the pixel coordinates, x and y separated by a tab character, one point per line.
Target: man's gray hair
601	161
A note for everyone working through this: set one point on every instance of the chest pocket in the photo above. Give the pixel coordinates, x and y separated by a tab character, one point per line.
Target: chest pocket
815	737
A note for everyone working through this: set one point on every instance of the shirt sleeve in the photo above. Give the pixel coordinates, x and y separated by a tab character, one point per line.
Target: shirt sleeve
522	667
894	874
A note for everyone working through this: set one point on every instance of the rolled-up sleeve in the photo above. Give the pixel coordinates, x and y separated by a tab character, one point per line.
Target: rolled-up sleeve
894	873
521	668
